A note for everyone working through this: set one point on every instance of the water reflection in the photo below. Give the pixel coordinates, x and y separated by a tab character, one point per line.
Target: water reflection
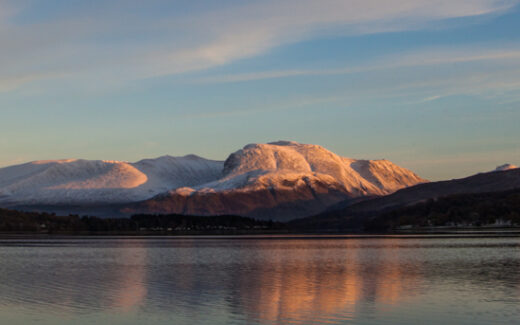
73	278
255	281
299	284
297	287
131	289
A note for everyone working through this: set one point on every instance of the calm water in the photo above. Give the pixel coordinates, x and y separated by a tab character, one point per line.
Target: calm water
260	281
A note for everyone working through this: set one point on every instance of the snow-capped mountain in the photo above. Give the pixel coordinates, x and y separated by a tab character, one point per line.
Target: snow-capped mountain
76	181
279	180
283	180
505	167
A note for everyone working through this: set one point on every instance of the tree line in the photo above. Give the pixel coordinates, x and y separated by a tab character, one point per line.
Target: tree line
463	210
34	222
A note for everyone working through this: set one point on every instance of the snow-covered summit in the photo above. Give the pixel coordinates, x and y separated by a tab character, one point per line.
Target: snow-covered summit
73	181
505	167
283	180
265	163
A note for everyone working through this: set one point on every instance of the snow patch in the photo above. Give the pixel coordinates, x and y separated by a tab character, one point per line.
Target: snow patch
505	167
74	181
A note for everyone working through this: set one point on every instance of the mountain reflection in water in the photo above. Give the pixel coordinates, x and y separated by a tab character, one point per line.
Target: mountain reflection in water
317	281
197	280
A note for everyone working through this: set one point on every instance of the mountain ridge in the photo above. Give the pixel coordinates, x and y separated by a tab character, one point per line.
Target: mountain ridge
268	176
353	215
271	176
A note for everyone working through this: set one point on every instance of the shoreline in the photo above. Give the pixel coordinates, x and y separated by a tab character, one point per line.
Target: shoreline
421	233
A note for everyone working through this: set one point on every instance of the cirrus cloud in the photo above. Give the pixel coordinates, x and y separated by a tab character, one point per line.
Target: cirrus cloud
118	40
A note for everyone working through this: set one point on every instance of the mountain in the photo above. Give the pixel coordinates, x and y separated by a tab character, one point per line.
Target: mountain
281	180
77	181
505	167
491	209
356	214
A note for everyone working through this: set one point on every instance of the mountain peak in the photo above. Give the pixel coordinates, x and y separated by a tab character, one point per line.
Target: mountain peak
358	177
505	167
56	161
285	143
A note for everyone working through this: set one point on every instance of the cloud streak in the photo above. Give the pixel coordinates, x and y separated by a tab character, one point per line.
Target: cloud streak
115	42
486	71
425	57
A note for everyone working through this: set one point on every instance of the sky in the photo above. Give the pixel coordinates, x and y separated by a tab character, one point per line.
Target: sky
432	85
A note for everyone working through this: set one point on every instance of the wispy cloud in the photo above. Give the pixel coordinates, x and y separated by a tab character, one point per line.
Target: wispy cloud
115	42
485	70
431	98
424	57
11	83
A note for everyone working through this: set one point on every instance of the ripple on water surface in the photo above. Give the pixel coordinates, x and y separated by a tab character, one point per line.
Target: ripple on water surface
260	280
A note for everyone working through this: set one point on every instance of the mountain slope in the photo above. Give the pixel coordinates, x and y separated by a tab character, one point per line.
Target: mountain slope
491	209
353	215
282	180
94	181
358	177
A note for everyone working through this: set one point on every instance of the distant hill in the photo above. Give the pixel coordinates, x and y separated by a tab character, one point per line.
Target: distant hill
357	215
460	210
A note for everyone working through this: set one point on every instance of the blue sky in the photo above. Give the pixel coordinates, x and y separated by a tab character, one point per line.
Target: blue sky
432	85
